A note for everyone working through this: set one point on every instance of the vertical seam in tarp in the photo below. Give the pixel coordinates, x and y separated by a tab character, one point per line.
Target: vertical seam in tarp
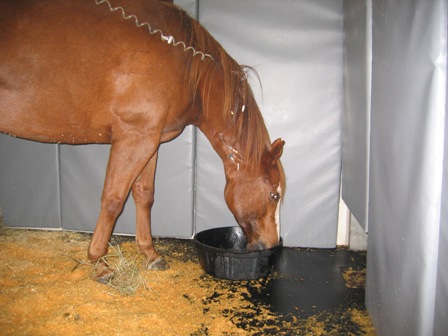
195	157
369	45
194	179
58	185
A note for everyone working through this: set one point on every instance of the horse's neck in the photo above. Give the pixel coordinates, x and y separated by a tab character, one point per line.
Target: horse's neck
219	131
216	123
221	138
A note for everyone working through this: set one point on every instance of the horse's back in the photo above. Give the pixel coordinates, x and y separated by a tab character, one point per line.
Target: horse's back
67	68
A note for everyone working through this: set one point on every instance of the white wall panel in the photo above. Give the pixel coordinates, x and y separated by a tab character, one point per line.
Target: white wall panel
441	304
356	115
190	6
406	164
29	184
83	169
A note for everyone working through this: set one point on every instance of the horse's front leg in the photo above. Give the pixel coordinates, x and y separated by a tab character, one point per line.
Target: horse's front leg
128	157
143	194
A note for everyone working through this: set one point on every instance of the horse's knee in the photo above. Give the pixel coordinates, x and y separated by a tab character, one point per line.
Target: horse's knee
112	206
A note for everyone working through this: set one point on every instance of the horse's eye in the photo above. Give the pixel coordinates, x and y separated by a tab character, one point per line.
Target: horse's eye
274	196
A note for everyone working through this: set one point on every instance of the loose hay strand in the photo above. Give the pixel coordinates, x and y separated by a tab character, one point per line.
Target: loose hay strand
126	275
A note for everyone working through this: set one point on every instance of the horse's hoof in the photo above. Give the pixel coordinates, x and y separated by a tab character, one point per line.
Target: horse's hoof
158	264
102	274
104	279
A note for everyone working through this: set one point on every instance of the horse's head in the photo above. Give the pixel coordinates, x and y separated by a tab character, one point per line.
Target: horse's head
254	196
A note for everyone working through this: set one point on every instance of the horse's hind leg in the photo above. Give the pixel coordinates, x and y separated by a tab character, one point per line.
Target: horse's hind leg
143	194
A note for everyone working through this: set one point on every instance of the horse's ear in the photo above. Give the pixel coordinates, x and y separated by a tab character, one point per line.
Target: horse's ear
276	151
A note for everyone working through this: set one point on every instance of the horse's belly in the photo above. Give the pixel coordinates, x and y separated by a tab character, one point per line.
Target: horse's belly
36	117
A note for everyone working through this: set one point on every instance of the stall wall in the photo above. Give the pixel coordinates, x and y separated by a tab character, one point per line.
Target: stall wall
296	47
407	268
407	158
356	113
29	184
441	305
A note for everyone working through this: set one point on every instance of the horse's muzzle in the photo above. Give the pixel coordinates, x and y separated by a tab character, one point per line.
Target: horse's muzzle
259	245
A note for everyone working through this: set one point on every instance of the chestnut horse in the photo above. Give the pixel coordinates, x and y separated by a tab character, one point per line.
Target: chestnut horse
133	74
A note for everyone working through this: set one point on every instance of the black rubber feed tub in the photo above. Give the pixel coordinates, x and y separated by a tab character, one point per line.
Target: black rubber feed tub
222	253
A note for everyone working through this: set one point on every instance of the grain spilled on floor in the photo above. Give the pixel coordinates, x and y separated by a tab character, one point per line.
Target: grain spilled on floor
45	289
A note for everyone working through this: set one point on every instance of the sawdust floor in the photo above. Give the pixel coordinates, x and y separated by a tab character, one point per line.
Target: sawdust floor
45	289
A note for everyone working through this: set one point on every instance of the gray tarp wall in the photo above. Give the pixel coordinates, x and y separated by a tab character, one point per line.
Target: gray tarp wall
395	169
356	112
297	49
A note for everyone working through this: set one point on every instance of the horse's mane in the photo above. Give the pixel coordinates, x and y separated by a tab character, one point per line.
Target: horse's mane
239	105
203	56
